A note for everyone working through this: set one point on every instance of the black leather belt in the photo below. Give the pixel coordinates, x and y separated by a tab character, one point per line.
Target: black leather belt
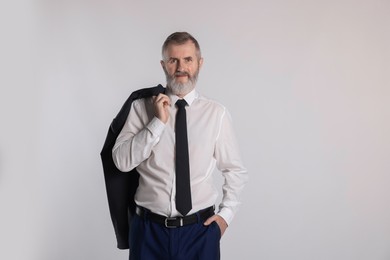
176	221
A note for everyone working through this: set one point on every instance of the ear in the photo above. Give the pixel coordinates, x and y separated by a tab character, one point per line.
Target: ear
162	64
200	63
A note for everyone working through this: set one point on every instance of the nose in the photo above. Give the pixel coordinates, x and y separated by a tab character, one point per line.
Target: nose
180	67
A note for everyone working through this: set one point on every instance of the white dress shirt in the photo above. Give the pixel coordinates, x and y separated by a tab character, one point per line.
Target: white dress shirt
148	144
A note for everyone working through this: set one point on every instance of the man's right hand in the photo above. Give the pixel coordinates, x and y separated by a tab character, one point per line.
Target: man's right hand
161	107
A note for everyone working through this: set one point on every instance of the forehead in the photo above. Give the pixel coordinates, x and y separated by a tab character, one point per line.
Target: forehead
186	49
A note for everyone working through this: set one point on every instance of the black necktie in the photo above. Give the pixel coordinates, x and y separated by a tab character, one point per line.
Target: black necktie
183	188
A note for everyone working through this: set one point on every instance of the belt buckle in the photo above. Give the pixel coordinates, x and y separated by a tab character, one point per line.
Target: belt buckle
173	219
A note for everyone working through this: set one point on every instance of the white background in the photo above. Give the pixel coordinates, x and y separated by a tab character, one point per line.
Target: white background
307	84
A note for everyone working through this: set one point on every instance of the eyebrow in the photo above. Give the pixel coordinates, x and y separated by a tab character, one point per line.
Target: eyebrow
185	58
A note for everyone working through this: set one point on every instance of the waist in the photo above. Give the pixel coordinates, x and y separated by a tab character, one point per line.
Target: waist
174	222
158	199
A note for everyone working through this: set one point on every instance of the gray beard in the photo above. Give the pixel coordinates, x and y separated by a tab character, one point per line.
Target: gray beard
181	89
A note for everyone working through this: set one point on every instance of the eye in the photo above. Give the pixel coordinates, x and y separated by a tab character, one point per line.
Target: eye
188	59
172	61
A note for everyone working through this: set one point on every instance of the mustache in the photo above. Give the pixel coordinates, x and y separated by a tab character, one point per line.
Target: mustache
182	73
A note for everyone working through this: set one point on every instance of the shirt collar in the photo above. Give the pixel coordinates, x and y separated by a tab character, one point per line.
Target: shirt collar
189	98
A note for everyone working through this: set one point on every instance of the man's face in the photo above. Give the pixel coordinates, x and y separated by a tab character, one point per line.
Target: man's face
181	66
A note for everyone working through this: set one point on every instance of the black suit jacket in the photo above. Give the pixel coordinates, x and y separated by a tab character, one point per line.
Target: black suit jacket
121	186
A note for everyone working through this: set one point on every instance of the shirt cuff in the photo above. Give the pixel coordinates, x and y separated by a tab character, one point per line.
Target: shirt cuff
156	126
226	214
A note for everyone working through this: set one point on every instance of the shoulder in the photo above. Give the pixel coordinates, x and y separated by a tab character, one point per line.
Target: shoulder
209	103
141	103
144	95
142	107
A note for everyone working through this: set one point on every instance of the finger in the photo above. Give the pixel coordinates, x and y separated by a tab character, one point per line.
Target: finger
166	101
210	220
163	99
159	96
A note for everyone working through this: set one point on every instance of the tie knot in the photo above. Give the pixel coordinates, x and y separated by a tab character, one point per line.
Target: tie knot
181	103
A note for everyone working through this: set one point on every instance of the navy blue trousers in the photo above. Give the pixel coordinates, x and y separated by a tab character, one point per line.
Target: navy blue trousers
153	241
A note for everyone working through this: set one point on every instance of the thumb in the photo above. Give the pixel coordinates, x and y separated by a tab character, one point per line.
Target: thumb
209	220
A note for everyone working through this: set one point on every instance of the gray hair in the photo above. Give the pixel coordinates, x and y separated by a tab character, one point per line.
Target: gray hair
180	38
